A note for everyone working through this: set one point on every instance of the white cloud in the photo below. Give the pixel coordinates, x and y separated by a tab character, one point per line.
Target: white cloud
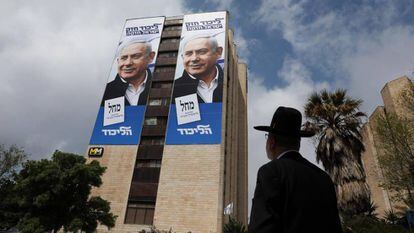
56	57
222	4
243	45
376	62
357	46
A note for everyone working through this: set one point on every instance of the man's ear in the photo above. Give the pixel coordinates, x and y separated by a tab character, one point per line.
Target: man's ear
151	56
272	141
219	51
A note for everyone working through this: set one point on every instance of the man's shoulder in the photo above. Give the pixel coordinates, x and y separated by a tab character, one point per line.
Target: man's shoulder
293	160
185	78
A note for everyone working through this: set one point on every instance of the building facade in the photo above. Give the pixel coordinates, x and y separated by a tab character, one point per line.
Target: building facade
180	182
391	96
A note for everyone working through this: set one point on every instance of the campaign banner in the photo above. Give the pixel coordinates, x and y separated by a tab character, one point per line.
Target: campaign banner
196	105
121	113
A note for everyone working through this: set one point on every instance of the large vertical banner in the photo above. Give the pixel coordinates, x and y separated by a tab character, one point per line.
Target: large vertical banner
120	116
196	109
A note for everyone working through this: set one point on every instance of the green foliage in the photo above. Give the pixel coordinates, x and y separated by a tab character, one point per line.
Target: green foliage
8	206
368	224
51	194
336	119
397	154
233	226
392	217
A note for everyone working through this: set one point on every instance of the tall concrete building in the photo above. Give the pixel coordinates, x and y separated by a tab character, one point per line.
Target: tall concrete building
391	96
175	175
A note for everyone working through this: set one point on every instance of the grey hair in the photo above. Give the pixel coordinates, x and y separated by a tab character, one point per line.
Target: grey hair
124	44
211	39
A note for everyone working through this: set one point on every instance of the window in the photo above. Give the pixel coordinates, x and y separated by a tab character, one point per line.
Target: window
161	85
173	28
168	54
170	40
150	121
155	102
140	214
149	163
148	140
164	69
146	174
155	120
159	102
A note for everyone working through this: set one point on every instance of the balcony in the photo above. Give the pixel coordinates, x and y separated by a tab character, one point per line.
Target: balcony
173	22
143	191
164	47
171	34
150	151
166	61
146	175
163	76
160	92
153	130
157	111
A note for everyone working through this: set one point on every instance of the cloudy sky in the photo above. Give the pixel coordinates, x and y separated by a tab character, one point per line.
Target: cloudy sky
56	55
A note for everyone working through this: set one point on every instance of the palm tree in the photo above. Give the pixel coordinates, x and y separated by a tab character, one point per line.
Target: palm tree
337	121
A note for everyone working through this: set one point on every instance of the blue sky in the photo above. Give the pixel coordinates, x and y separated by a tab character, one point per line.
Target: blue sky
56	56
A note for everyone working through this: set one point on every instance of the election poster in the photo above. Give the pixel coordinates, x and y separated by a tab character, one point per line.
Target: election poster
121	112
196	110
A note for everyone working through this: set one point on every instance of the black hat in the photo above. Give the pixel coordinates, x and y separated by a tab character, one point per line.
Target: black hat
286	121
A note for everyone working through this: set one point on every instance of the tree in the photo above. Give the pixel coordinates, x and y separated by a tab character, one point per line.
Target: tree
10	161
336	119
368	224
51	194
396	156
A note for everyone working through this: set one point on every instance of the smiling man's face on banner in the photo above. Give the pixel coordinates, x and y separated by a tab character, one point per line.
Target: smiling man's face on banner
133	61
200	57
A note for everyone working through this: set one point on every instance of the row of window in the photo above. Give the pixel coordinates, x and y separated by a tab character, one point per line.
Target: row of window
147	170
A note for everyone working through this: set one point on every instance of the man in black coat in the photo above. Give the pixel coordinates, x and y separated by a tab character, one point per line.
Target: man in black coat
202	75
292	195
134	78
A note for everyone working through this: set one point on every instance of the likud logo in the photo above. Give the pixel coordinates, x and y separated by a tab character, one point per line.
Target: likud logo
95	151
200	129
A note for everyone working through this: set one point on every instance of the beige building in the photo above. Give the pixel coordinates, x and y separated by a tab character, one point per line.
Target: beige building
391	96
183	187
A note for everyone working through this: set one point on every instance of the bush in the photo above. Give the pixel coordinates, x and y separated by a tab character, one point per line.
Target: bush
369	224
233	226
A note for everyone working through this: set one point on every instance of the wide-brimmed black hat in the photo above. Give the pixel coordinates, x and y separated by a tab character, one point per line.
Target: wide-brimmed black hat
286	121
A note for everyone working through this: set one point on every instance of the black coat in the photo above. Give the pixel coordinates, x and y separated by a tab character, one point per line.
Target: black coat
117	88
293	196
185	85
